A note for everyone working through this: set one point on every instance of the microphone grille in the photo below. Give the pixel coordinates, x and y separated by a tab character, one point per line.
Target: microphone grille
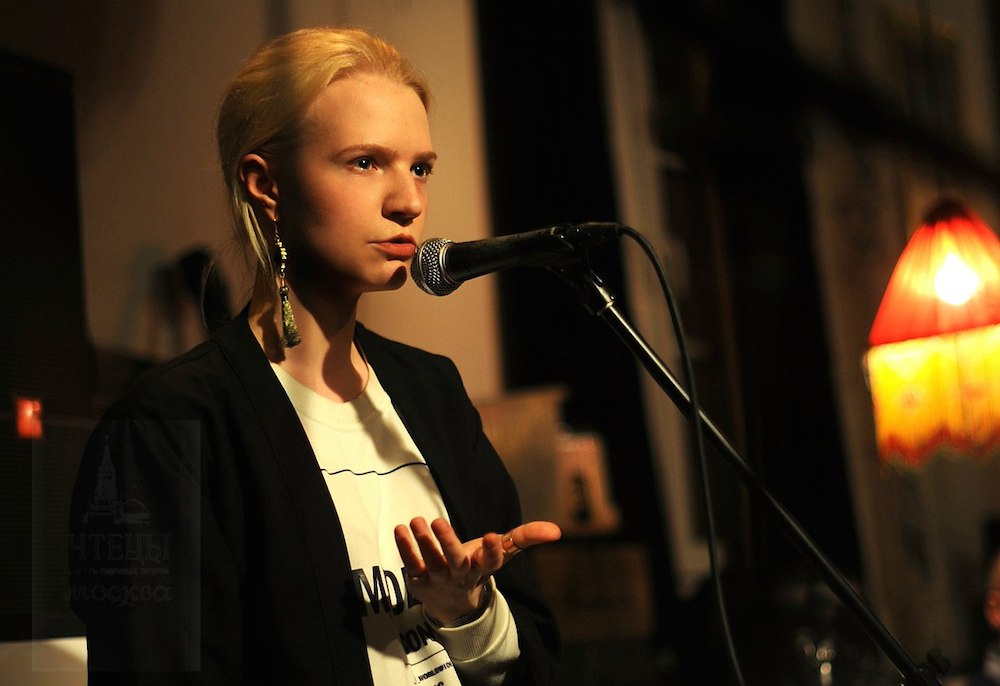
427	267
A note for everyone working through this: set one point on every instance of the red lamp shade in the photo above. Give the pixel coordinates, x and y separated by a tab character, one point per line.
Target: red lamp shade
947	279
934	365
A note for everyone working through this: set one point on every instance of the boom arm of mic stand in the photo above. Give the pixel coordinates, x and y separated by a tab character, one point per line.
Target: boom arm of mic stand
601	303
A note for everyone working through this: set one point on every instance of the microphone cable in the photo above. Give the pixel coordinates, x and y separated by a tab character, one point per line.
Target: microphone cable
696	427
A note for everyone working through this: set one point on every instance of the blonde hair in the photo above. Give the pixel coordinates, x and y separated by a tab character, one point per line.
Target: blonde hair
266	101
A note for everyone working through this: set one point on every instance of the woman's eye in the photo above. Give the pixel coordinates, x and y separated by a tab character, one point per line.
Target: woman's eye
363	163
422	169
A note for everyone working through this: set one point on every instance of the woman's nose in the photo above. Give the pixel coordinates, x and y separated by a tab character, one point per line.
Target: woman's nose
405	200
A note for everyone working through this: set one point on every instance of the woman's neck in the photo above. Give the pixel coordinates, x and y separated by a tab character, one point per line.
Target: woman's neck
326	360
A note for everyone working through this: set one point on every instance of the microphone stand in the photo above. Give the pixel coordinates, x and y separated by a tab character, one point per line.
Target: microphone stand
600	302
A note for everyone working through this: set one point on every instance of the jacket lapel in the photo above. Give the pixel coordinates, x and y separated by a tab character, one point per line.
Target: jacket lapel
306	493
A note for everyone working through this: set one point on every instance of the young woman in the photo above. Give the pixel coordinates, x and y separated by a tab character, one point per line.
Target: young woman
298	500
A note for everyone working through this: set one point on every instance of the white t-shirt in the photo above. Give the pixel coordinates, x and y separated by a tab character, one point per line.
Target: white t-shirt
378	479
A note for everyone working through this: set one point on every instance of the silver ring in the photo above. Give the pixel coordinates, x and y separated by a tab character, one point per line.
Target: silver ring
509	547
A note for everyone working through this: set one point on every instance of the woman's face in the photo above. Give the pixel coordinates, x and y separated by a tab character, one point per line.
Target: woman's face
352	203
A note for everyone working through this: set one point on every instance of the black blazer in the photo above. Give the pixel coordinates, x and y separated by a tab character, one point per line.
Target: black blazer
203	545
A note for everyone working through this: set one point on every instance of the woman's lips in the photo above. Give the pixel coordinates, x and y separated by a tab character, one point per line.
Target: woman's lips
398	248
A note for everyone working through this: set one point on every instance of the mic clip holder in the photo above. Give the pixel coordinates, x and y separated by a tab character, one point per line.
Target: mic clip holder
600	301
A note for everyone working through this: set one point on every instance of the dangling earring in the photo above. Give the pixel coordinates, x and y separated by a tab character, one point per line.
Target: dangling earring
290	333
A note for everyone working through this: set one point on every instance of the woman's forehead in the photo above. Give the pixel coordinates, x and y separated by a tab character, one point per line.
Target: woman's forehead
368	104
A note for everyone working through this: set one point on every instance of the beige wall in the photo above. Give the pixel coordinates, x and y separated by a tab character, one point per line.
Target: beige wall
147	79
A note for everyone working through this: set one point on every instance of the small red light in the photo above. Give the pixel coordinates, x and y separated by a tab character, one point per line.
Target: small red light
29	417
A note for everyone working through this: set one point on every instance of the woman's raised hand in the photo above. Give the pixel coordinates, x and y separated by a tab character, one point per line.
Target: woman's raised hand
447	575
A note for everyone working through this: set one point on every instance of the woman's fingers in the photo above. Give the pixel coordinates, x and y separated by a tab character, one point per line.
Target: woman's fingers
424	537
437	549
491	553
455	552
413	561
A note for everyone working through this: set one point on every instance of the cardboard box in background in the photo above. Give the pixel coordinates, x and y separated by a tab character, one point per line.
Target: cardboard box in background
561	476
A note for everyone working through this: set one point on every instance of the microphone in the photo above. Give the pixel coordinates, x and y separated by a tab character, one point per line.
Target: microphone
440	265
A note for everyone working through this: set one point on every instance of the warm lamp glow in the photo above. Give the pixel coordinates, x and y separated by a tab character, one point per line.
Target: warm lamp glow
953	246
956	282
937	395
934	365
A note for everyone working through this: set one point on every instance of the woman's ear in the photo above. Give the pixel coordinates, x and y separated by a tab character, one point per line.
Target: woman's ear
257	176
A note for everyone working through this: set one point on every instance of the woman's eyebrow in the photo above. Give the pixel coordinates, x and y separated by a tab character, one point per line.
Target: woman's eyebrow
363	148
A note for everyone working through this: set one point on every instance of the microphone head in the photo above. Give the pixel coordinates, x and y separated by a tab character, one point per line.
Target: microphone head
427	267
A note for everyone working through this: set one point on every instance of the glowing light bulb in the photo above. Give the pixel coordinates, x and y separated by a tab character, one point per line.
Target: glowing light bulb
955	282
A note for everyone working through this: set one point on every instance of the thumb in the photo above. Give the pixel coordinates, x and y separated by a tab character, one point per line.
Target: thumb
527	535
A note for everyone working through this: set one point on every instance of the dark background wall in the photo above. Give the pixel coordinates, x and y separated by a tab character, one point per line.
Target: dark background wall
44	348
549	163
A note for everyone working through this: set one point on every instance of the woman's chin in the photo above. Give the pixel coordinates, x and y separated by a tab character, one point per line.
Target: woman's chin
392	283
397	280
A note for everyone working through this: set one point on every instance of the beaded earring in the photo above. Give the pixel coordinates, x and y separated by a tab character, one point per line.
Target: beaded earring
289	331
